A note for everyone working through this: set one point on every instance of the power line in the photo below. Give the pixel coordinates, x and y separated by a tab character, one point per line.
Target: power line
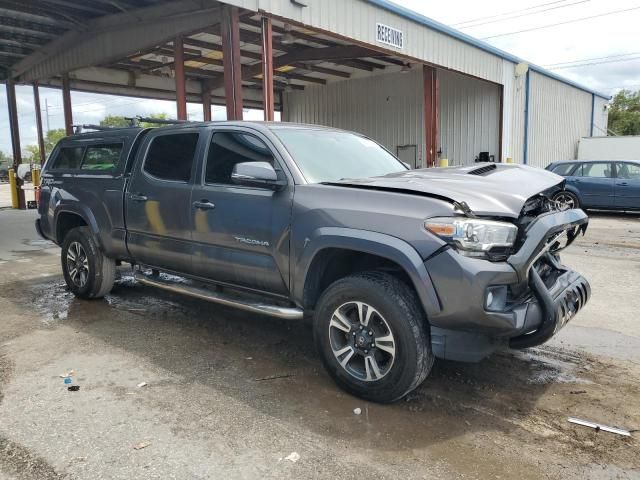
525	14
561	23
595	63
589	59
508	13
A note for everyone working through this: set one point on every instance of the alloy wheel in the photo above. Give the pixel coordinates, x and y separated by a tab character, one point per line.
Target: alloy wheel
362	341
77	264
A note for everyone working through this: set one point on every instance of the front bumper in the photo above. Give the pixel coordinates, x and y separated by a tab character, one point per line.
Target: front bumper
540	303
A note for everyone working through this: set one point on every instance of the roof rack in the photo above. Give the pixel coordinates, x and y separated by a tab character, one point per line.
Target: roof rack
80	128
133	122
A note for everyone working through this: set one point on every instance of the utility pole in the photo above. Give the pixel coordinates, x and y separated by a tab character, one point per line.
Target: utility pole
46	109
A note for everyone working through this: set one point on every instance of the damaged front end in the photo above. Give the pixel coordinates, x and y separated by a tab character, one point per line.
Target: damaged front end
557	291
517	297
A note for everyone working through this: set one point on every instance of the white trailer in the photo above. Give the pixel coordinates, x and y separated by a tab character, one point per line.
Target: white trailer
609	148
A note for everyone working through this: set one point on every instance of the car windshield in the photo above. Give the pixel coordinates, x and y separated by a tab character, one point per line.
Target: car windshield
330	155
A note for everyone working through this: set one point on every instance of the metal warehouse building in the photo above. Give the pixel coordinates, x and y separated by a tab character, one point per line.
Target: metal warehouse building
424	90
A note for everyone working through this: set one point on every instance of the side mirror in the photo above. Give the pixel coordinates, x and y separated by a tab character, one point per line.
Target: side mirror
256	174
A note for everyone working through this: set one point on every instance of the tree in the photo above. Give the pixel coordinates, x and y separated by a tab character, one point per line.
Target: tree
117	121
624	113
32	152
5	159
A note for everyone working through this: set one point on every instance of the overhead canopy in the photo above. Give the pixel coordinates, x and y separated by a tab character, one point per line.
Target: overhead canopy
126	47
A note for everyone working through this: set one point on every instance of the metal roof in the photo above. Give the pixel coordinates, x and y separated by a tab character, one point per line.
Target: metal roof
463	37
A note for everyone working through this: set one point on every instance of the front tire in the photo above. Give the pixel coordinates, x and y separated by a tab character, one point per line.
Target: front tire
373	336
566	200
87	271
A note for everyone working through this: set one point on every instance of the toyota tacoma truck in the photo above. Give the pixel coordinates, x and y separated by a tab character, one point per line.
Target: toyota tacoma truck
395	266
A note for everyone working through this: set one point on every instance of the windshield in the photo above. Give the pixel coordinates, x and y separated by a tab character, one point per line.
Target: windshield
330	156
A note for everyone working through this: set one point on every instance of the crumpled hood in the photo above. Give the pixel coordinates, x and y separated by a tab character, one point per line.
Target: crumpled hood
487	188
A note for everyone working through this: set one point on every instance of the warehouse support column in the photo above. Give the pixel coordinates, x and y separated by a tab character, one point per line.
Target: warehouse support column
17	193
267	70
206	101
431	113
66	104
231	61
181	88
36	104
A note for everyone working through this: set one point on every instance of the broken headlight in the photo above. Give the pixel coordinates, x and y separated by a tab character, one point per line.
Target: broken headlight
474	237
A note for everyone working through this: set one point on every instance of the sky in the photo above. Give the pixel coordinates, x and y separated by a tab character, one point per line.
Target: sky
593	42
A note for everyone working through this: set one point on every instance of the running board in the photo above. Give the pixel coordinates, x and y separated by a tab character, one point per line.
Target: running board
287	313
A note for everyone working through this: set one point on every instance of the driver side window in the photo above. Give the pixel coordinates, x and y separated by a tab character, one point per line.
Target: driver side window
230	148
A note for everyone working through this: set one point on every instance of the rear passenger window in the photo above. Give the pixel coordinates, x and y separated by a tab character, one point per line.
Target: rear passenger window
564	169
170	157
228	149
594	170
68	158
102	157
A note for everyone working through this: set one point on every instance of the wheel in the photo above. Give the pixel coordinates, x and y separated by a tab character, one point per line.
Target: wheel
566	200
373	337
87	271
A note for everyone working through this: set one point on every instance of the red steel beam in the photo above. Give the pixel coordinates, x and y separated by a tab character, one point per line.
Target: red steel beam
431	113
267	69
15	137
231	61
181	88
66	104
206	101
36	104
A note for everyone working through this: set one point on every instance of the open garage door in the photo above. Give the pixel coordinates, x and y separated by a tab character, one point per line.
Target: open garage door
469	118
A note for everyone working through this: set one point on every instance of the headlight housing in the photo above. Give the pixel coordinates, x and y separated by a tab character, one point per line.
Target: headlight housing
474	237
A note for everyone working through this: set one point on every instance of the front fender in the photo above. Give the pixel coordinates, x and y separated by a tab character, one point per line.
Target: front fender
391	248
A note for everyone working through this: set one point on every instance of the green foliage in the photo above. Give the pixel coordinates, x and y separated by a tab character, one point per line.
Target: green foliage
31	153
5	159
624	113
116	121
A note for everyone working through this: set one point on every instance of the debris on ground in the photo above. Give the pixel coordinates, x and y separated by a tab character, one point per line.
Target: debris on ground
577	392
73	388
141	384
141	445
599	426
293	457
68	373
274	377
357	411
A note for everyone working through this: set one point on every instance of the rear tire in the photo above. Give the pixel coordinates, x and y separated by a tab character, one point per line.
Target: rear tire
391	355
87	271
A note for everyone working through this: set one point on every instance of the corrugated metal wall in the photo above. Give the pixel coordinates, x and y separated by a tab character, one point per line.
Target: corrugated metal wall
387	108
600	117
357	19
558	116
469	118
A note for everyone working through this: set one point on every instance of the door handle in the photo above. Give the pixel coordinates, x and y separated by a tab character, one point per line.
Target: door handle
138	197
204	205
623	184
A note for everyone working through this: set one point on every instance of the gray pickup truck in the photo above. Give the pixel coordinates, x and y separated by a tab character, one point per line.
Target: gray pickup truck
395	266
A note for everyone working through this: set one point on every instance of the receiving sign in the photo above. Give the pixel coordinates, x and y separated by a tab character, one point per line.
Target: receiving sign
389	36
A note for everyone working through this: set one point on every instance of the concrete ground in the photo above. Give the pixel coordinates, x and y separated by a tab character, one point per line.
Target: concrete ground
233	395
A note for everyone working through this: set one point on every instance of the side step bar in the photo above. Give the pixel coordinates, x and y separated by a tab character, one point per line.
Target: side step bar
287	313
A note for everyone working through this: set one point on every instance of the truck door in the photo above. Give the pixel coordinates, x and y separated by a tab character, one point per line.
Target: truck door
158	200
241	233
627	186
